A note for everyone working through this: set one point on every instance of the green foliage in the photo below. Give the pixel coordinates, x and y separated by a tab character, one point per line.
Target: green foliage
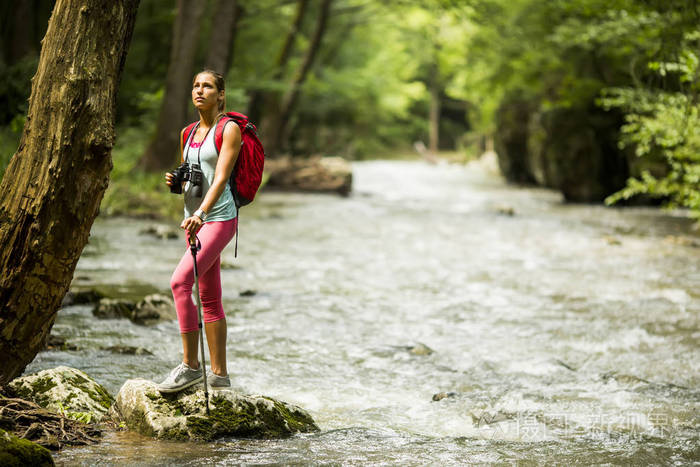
83	417
638	58
15	87
143	78
132	192
665	123
9	140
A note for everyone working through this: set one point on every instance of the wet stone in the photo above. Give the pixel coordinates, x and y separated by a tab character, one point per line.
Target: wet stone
127	350
443	395
82	297
17	451
420	350
154	309
248	293
59	343
182	416
505	210
162	232
111	308
64	389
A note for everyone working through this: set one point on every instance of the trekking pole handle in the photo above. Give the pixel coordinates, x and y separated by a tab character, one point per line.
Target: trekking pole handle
195	244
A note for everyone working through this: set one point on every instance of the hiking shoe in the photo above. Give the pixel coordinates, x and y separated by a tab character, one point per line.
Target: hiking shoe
181	377
215	381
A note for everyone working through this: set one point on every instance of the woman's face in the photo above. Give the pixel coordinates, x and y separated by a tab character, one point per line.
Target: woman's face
204	92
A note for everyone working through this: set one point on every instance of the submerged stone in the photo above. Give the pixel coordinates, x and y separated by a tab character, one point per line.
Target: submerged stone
182	416
64	390
17	451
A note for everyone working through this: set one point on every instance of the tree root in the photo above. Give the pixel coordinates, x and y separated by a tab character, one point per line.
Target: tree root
53	431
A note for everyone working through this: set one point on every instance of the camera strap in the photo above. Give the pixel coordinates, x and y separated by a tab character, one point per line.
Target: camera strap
189	140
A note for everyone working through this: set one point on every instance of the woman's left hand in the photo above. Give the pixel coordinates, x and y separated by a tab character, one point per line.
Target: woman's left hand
192	224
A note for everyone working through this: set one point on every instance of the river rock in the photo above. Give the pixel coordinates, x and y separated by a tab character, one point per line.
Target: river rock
17	451
319	174
153	309
81	297
421	350
162	232
127	350
59	343
64	389
111	308
182	416
571	149
150	310
443	395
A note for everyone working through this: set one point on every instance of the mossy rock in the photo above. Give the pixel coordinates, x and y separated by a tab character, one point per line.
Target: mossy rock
64	390
18	452
182	416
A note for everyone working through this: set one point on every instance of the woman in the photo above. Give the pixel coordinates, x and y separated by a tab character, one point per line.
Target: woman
212	218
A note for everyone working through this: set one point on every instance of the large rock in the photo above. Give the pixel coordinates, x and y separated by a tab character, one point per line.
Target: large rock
571	149
20	452
319	174
575	151
182	416
64	390
152	309
112	308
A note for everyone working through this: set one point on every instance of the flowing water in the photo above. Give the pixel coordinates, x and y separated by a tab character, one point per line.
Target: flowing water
560	333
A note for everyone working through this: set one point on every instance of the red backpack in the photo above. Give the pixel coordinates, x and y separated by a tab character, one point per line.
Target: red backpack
247	173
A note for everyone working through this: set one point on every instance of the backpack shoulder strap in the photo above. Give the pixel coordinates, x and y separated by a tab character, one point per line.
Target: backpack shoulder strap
219	132
185	135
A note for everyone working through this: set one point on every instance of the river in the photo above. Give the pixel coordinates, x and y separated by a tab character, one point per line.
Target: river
558	333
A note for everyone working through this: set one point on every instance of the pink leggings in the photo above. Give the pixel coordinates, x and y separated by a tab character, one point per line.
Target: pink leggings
214	236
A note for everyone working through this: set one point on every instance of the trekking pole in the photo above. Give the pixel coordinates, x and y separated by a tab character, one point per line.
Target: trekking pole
193	248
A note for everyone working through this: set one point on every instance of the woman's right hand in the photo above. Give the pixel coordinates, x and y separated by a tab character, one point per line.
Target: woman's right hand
169	179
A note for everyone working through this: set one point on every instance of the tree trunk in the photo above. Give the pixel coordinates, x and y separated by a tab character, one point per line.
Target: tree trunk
279	131
162	152
51	191
224	28
268	102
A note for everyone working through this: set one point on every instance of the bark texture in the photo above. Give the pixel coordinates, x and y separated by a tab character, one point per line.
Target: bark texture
162	152
52	188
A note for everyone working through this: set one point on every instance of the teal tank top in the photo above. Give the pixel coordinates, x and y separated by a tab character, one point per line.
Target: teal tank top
225	207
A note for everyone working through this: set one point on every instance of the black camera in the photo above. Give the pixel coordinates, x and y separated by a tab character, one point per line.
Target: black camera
185	173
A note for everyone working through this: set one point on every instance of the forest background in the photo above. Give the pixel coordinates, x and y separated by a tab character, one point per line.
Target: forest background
597	99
